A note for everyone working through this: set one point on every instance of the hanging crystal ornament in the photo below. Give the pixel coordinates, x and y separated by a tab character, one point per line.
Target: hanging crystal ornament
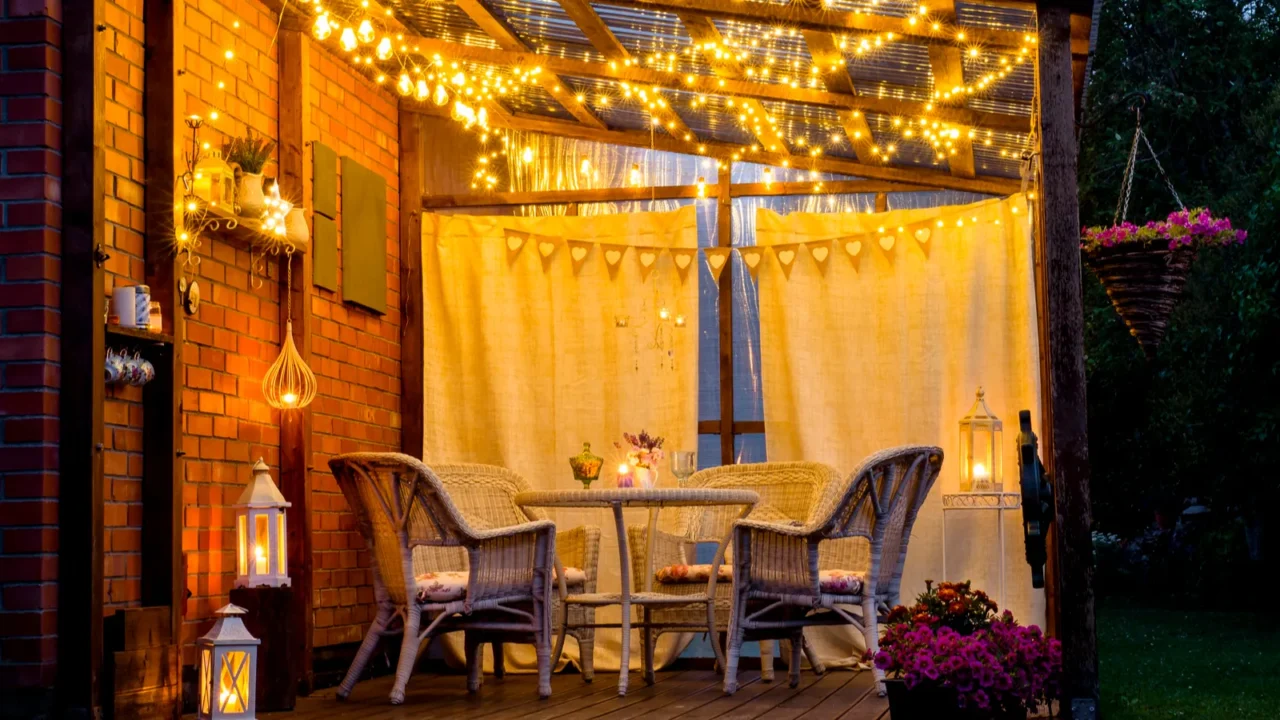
289	384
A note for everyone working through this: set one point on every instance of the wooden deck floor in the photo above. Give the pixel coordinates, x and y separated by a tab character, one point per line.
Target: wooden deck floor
682	695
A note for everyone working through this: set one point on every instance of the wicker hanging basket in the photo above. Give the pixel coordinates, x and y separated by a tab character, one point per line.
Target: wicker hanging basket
1144	283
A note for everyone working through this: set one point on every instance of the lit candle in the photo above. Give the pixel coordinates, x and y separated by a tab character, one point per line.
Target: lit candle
625	478
981	477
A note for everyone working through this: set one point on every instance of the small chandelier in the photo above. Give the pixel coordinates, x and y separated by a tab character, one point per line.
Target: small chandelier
289	383
980	449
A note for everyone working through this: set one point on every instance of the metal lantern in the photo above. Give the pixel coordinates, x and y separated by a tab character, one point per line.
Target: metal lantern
261	550
980	449
228	665
214	179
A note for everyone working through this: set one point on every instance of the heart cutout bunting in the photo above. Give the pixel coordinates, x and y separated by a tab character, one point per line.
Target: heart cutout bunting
515	241
578	253
682	258
820	253
887	241
853	248
612	256
922	235
647	257
717	260
545	248
751	258
786	257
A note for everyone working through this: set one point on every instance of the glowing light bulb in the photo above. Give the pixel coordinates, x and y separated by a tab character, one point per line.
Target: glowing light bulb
482	118
680	321
441	95
322	28
229	54
365	31
423	90
289	398
348	39
527	155
459	79
584	166
768	177
404	85
384	48
663	314
635	174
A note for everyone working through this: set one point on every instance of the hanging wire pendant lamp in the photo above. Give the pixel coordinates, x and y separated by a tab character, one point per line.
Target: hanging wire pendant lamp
289	383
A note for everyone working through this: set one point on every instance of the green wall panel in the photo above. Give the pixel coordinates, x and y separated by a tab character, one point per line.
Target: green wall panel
325	242
364	236
324	180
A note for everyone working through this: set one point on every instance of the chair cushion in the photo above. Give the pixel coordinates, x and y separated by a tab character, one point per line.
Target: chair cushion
831	582
450	585
681	574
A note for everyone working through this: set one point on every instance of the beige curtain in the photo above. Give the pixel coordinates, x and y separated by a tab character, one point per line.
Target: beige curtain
524	360
888	347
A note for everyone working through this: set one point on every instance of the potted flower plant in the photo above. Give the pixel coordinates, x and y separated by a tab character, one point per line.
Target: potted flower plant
1144	267
950	655
249	155
644	455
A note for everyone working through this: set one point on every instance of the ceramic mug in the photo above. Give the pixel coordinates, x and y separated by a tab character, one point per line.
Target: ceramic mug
148	372
133	373
114	367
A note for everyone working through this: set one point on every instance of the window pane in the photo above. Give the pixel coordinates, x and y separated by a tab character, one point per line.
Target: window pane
749	448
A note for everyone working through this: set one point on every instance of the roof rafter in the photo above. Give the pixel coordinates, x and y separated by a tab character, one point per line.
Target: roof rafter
947	65
823	163
826	53
507	39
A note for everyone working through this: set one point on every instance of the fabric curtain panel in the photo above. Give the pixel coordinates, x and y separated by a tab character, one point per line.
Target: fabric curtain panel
887	347
525	359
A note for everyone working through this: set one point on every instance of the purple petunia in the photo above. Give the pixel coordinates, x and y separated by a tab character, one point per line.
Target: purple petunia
1184	228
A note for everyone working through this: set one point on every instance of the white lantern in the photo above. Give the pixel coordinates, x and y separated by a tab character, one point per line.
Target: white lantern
261	550
980	449
214	179
228	664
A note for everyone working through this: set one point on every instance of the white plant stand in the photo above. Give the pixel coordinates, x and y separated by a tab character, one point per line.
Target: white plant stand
998	502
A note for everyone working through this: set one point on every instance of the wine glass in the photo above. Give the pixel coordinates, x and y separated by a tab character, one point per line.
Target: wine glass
683	464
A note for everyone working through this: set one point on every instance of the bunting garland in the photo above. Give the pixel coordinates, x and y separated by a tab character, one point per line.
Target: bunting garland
717	259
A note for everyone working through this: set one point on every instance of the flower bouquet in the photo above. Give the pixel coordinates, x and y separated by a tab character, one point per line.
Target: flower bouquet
1144	267
949	655
644	457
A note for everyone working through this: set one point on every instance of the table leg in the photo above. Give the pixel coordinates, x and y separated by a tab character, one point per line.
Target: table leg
944	544
624	563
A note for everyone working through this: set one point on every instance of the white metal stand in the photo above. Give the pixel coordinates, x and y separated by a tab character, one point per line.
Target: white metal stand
997	501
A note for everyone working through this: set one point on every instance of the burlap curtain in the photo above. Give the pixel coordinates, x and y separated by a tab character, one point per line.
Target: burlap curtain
524	360
888	347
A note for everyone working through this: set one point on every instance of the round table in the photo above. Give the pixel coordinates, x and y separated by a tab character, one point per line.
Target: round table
653	499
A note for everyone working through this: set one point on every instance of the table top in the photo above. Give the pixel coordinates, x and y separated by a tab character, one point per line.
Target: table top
637	497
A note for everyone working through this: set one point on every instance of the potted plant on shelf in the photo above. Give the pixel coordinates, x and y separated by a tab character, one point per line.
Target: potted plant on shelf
249	155
1145	267
950	655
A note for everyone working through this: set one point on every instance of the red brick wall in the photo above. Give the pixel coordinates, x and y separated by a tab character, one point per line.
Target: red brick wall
356	353
30	246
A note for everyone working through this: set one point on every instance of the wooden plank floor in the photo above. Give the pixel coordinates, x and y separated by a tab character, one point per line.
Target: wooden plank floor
682	695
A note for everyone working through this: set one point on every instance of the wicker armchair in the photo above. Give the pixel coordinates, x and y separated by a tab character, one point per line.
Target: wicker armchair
778	589
485	495
788	492
400	505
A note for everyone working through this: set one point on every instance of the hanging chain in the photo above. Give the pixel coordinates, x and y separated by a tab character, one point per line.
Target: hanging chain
1126	183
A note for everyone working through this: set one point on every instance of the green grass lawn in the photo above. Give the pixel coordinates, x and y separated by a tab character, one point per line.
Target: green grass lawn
1159	663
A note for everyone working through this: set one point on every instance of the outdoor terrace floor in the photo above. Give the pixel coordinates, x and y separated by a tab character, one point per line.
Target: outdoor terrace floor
686	695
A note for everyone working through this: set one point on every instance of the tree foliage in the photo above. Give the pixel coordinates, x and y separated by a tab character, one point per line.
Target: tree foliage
1202	419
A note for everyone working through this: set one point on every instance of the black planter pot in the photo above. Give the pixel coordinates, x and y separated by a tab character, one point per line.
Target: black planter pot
932	703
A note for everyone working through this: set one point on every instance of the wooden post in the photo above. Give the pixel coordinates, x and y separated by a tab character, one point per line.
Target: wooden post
163	580
80	509
272	618
1061	215
295	425
724	238
411	327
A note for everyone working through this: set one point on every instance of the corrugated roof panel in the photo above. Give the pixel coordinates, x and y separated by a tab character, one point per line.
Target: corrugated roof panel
896	63
539	21
437	20
712	120
996	17
535	99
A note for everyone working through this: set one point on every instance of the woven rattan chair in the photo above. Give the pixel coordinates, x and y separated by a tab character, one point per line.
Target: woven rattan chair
788	492
485	495
778	589
400	504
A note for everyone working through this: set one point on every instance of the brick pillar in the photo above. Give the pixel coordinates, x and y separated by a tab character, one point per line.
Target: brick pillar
30	221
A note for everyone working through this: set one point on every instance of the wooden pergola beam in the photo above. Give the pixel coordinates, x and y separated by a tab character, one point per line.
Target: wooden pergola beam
597	32
826	52
726	151
800	16
507	39
947	64
667	192
732	87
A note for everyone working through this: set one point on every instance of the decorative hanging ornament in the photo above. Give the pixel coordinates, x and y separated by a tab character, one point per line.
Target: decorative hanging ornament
820	252
717	259
751	257
289	383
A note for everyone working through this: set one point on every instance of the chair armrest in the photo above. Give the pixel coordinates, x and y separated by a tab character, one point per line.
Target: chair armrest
580	548
776	559
500	555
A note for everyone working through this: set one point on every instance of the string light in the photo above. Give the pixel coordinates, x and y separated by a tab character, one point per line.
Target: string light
584	166
768	178
384	48
441	96
322	28
365	32
348	39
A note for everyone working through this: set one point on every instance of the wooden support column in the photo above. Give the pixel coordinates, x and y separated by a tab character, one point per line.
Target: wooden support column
295	425
1070	459
163	580
724	238
411	320
80	520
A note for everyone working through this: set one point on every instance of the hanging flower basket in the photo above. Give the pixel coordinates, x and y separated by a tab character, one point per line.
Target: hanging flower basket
1144	268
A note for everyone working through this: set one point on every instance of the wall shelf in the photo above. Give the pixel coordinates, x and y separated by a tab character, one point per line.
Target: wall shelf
118	331
246	232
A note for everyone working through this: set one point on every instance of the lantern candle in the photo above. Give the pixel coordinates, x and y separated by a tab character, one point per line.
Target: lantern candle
980	449
260	525
228	667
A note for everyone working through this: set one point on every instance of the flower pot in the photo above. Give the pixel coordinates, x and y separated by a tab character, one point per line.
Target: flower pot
1143	282
249	194
933	703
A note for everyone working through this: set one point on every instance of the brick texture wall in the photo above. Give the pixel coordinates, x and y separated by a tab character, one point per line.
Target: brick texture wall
356	353
30	218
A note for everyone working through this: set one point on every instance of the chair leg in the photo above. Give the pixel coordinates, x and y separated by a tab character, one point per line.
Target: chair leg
475	661
586	654
766	660
814	661
734	649
542	648
797	642
499	666
871	633
408	652
646	650
367	648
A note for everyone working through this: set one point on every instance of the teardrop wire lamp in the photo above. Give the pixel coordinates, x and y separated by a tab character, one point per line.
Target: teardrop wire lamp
289	384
